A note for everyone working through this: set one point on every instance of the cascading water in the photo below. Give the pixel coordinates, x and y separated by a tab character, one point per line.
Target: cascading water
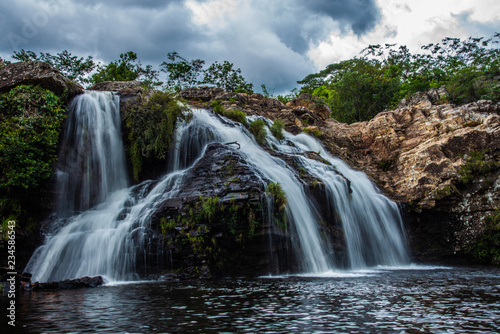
371	223
106	238
92	161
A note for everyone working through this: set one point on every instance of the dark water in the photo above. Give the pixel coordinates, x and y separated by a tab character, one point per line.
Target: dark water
453	300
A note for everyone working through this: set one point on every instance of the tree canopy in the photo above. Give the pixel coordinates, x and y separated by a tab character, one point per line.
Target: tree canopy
359	88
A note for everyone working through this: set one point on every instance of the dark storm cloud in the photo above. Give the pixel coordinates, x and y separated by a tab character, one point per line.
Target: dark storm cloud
104	31
311	21
269	42
131	3
360	15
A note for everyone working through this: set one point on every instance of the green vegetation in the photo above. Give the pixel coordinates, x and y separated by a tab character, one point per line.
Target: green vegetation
70	66
258	129
167	226
233	114
277	129
280	200
225	76
476	164
314	132
203	222
487	248
209	207
217	106
237	116
282	98
30	125
359	88
128	68
181	72
150	128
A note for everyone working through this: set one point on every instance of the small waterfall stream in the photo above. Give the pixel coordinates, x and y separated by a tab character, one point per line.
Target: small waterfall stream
100	222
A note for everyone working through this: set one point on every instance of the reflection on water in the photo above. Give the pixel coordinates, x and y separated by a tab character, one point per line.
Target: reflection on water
449	300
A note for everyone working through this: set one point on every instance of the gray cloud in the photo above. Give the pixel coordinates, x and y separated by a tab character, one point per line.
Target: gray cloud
359	15
269	42
477	29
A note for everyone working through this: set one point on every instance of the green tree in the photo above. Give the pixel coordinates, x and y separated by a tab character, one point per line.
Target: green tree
355	89
225	76
359	88
126	68
181	72
72	67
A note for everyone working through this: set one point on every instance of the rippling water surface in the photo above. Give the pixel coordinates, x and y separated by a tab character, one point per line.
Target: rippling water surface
411	300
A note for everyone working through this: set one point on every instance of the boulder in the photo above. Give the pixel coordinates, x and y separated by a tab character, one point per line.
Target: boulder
115	86
37	73
309	102
216	226
77	283
201	94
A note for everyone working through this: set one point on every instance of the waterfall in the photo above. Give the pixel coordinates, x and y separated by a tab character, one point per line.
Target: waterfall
372	224
92	160
99	228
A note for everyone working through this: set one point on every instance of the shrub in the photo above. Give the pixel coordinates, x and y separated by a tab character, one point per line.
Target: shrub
237	116
277	129
31	119
150	128
475	164
167	226
258	129
217	106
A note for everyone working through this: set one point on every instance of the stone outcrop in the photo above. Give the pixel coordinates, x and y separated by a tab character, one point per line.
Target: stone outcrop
129	91
426	154
77	283
37	73
430	157
217	224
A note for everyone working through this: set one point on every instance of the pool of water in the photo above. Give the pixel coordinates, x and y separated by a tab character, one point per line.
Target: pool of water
382	300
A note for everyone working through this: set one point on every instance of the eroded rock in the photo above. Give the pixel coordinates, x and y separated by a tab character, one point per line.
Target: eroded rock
37	73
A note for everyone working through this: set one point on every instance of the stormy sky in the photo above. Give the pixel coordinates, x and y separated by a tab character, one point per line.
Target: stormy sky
274	42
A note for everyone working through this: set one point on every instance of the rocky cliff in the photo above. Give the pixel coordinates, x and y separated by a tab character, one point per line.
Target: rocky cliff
440	161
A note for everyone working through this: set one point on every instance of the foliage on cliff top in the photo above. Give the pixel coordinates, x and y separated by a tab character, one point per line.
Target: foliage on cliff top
30	125
181	72
150	128
359	88
31	120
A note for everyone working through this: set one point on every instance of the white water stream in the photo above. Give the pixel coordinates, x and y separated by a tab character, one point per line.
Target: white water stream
103	239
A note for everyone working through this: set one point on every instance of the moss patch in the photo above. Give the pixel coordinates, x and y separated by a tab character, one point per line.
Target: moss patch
150	129
487	248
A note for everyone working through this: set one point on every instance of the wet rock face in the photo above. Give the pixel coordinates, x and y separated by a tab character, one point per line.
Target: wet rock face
77	283
37	73
217	225
432	157
418	154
